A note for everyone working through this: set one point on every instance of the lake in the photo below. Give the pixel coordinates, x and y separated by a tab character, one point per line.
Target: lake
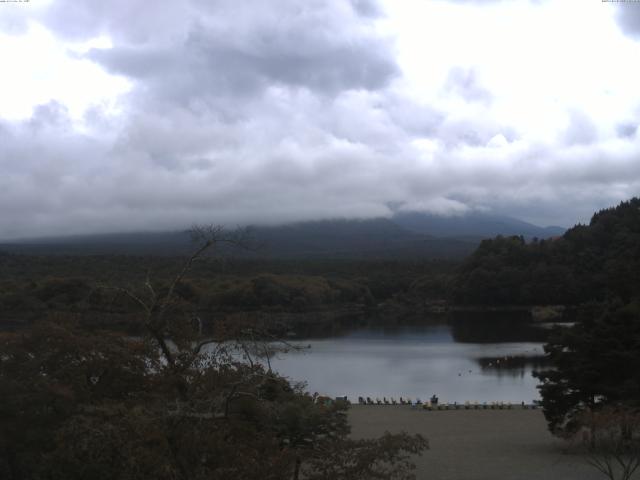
458	361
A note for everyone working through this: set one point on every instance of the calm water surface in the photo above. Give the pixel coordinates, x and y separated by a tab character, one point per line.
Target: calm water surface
455	363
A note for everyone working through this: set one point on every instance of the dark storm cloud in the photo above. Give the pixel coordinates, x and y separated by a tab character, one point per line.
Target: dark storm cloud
221	55
45	166
208	61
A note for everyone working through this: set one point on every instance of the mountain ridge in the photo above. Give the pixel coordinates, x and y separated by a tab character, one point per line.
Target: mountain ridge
405	235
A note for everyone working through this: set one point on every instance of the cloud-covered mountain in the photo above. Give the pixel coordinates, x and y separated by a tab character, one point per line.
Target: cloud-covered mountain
472	225
127	116
403	236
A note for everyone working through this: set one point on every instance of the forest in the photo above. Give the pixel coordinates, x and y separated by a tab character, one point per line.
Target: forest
300	291
81	400
104	374
597	261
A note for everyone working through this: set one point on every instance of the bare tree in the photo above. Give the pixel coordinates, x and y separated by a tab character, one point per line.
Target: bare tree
157	305
183	347
227	375
611	439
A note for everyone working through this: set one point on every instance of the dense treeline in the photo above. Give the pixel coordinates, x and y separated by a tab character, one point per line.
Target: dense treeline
136	267
591	385
589	262
32	287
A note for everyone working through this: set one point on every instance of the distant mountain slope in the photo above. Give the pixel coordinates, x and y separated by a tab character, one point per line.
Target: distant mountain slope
403	236
473	225
375	238
356	239
137	243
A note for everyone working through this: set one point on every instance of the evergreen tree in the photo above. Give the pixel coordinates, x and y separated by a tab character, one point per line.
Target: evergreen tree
595	364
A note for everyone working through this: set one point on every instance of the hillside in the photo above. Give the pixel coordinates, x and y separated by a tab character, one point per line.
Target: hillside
472	225
589	262
404	236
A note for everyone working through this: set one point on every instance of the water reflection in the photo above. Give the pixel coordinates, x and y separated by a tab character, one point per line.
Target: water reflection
487	327
514	365
455	361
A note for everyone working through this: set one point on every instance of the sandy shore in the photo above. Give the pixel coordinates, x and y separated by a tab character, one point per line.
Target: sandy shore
477	444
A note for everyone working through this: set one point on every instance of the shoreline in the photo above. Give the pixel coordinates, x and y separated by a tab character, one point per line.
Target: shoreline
443	406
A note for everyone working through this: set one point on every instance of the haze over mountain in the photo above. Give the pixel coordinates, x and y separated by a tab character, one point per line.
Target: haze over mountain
405	235
118	116
472	225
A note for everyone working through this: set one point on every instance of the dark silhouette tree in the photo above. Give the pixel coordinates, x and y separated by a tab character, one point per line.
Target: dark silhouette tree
595	365
598	261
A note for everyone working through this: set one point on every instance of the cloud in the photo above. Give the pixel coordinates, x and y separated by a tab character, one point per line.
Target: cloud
122	20
235	46
581	129
627	129
212	62
13	20
490	2
464	82
367	8
628	17
240	112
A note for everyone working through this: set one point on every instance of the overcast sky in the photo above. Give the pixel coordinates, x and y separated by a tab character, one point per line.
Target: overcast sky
136	115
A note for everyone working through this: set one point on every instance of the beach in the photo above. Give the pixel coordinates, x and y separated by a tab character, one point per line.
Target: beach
477	444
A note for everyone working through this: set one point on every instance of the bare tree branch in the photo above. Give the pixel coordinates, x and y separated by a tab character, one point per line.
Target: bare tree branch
207	237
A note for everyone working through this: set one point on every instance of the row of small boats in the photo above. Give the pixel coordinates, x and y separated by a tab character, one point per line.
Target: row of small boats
434	404
390	401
